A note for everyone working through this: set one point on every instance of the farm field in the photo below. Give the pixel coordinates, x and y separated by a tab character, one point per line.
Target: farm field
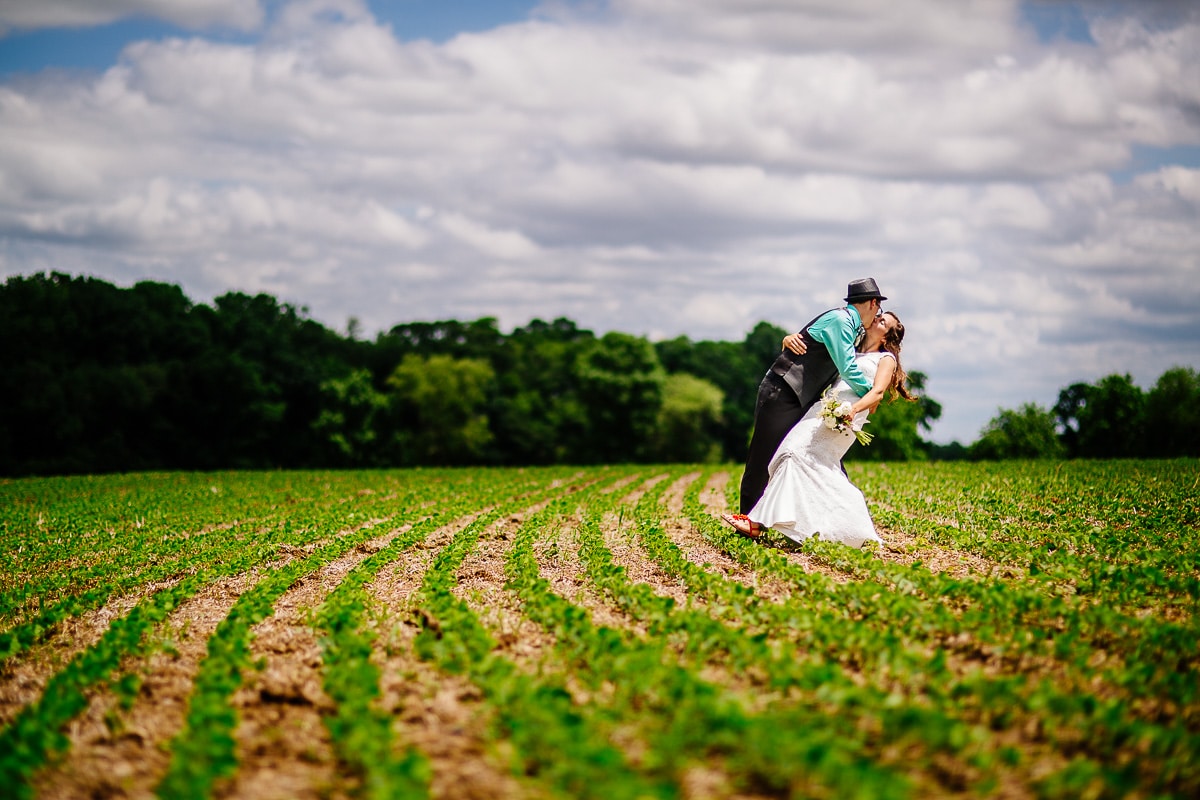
1029	630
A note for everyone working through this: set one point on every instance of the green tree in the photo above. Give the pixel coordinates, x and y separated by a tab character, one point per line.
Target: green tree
620	388
1111	421
1071	401
954	451
351	413
896	426
736	368
1028	432
688	421
90	374
440	404
478	339
1173	414
536	415
763	345
276	360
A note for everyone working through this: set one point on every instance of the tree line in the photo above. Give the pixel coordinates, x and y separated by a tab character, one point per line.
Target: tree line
1111	418
98	378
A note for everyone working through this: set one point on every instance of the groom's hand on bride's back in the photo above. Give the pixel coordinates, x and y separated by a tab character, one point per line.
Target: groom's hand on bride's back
795	343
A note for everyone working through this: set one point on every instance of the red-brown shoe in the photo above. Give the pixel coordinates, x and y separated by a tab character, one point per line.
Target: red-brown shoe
743	525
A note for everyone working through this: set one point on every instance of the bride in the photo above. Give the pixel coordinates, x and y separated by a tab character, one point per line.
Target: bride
808	492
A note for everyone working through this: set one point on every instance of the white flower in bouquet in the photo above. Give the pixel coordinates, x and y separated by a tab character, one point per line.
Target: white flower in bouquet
836	416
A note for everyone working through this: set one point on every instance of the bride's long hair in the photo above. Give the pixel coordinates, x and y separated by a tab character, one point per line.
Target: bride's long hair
891	343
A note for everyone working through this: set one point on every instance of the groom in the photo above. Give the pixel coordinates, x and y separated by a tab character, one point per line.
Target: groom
801	373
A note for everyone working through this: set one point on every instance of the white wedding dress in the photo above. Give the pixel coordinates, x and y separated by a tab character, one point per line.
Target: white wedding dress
808	494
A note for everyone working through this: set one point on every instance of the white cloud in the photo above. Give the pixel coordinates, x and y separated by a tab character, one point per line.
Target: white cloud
1017	207
665	168
893	29
1179	181
507	245
237	14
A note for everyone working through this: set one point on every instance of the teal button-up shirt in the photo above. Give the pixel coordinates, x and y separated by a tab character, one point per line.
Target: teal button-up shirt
837	330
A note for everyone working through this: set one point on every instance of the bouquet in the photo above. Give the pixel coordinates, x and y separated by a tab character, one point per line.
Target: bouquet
836	416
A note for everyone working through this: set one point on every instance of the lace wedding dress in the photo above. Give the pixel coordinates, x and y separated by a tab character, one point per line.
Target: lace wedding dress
808	494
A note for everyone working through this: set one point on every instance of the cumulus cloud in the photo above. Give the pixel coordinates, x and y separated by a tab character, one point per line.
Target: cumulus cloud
897	30
660	168
236	14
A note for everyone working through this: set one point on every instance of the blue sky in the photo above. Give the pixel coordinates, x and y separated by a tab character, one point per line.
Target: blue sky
1023	179
97	47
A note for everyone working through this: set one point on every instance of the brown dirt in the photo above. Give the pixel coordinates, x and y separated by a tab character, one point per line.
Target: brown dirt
127	756
559	564
284	749
23	677
119	753
481	586
440	715
904	548
481	582
700	551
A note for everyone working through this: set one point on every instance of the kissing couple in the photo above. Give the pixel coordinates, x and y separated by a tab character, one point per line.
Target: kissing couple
794	481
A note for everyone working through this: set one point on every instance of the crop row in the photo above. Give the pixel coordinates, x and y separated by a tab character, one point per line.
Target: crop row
812	670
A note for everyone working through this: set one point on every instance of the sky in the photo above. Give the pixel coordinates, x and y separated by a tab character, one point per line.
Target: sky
1021	178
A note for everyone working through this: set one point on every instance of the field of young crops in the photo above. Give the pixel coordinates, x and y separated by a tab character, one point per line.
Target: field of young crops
1029	630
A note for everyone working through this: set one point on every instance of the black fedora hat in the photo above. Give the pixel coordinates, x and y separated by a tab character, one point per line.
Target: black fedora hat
862	290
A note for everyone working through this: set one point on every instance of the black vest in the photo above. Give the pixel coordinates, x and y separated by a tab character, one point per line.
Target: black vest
811	373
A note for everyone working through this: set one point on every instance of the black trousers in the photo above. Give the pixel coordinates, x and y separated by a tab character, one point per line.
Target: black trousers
776	411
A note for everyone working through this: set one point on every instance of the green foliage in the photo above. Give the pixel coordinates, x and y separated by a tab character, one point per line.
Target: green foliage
350	420
736	368
896	426
1113	418
281	359
441	402
107	379
103	379
1172	415
1111	421
689	416
620	387
762	344
1066	412
1028	432
1022	629
477	339
537	414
